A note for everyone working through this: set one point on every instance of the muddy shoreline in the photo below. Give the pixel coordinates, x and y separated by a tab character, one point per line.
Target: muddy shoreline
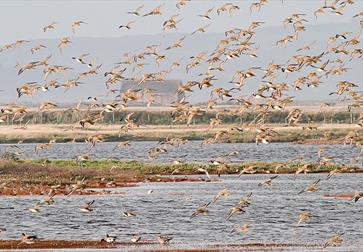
146	246
94	188
20	178
103	189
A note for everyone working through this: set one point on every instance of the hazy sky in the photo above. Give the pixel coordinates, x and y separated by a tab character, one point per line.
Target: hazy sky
25	19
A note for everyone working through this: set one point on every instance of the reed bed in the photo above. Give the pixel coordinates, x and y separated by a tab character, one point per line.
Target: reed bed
164	117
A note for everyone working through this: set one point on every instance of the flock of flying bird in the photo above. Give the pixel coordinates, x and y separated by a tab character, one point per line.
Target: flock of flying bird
271	95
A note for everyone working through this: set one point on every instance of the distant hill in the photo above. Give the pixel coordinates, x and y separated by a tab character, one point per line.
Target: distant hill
107	51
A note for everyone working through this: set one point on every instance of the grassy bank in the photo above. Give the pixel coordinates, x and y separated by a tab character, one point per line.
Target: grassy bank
162	116
39	176
142	169
65	133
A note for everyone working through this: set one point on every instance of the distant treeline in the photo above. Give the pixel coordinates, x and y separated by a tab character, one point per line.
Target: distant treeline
166	118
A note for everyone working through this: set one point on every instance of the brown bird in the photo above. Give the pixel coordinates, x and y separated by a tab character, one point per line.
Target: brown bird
109	239
304	216
50	26
77	24
63	42
311	187
335	241
28	239
236	209
134	238
202	210
136	12
37	48
155	11
242	228
46	106
207	13
181	3
36	208
201	29
87	207
48	199
267	181
164	239
357	196
224	193
28	66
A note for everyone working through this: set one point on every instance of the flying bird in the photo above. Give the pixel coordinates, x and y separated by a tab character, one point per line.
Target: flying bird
136	12
128	25
49	26
77	24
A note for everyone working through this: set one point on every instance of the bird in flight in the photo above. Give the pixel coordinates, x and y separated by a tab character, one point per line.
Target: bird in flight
127	26
77	24
50	26
136	12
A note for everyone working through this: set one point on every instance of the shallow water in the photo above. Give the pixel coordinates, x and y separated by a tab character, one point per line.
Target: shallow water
193	151
272	214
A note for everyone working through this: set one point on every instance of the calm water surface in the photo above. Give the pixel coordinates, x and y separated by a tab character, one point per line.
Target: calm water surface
272	214
193	151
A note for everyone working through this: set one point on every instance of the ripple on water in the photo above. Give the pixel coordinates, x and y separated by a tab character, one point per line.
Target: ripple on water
272	215
194	151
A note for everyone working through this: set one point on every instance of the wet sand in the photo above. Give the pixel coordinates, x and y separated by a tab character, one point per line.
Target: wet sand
61	244
340	195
